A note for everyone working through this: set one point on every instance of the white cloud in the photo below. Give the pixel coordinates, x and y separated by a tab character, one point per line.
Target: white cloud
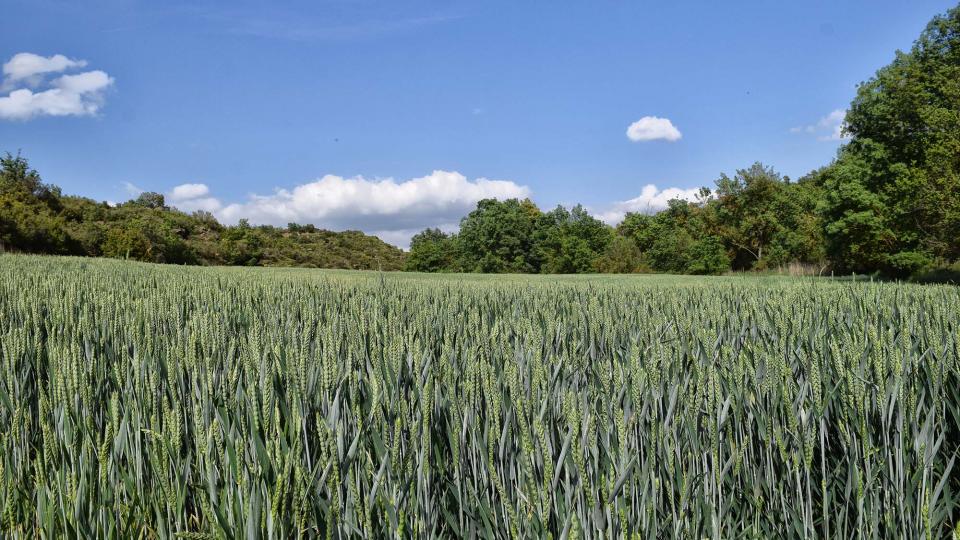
188	191
67	95
651	128
191	197
28	67
828	128
651	199
207	204
83	83
392	210
357	203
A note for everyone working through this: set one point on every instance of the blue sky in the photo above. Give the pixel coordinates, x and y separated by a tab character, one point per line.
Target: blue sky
390	116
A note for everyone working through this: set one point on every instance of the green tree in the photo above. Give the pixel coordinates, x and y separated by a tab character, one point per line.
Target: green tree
35	217
706	255
150	199
570	242
18	179
128	241
677	239
498	236
241	245
431	251
29	219
621	256
765	219
893	194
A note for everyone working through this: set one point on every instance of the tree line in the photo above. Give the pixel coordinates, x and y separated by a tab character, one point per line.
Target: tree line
889	203
37	218
755	220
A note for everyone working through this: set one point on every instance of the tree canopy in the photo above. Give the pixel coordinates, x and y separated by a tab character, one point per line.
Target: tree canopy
892	197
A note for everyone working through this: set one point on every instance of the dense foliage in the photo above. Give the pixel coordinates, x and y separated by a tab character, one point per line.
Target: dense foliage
893	194
36	218
164	401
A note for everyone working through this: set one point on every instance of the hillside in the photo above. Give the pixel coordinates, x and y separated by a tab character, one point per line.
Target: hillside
36	218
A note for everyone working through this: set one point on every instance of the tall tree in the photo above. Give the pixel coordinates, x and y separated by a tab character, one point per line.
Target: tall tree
498	236
893	194
677	239
570	241
766	219
745	211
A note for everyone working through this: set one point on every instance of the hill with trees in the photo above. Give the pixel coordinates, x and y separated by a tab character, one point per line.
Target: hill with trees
37	218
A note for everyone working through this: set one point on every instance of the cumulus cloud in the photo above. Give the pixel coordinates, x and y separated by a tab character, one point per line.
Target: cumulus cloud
80	94
189	191
207	204
393	210
29	67
828	128
354	203
651	199
651	128
191	197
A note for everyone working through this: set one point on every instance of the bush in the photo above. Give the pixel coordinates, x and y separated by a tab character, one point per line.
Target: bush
707	256
907	263
944	273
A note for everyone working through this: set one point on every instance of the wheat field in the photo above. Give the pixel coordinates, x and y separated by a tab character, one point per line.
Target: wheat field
148	401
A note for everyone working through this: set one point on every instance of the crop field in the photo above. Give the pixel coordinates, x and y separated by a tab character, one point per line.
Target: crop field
143	401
